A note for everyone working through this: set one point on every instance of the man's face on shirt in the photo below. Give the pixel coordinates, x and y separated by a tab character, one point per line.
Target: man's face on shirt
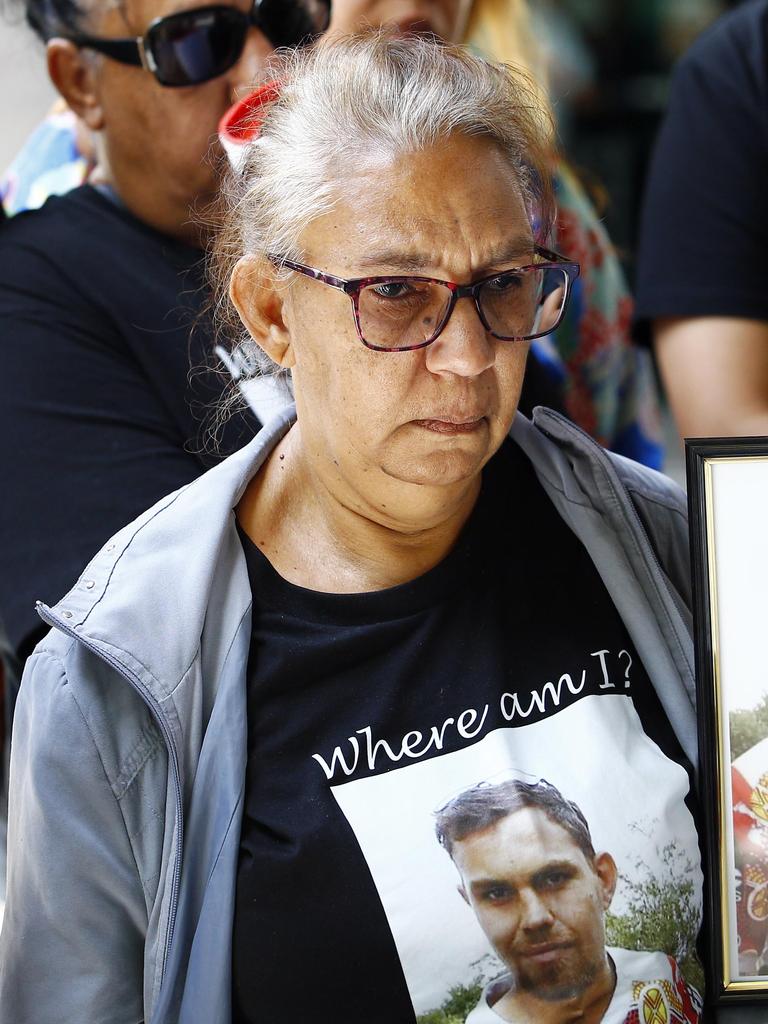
540	901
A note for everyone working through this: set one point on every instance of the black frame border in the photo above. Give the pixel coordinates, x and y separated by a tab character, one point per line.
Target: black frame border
699	452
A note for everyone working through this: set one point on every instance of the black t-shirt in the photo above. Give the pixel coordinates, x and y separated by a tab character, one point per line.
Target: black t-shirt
368	712
99	417
704	233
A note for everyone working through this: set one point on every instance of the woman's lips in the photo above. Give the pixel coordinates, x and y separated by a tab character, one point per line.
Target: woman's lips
451	426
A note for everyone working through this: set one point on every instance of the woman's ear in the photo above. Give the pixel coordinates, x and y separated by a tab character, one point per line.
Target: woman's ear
259	298
74	72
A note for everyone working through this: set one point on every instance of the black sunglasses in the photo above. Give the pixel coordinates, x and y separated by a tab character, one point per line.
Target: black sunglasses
194	46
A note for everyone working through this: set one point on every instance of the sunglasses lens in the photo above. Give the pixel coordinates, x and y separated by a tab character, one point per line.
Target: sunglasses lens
292	23
195	46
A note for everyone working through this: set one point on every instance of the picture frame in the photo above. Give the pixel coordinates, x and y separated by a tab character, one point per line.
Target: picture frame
728	511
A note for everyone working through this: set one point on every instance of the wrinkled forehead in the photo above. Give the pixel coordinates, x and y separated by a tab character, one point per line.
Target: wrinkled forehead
458	201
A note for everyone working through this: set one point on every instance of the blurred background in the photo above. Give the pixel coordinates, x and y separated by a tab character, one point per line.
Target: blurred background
609	63
24	87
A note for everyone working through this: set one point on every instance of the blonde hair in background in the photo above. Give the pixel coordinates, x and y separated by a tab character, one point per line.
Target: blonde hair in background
501	30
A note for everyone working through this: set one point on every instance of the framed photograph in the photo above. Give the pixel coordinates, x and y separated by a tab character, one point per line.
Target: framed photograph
728	503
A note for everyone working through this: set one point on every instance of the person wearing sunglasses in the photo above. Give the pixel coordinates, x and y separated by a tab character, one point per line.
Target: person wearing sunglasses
258	674
195	45
103	402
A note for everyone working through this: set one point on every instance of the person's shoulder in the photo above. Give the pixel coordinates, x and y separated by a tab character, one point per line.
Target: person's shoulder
641	975
86	256
649	484
55	263
640	964
86	227
70	237
561	451
734	46
71	213
65	681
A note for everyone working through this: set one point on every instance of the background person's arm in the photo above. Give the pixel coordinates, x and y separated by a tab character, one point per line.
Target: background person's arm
701	278
715	373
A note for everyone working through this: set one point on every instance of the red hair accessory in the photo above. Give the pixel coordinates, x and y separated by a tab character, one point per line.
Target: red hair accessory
242	122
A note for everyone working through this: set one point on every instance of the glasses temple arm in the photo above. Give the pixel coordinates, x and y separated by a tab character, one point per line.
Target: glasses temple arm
318	275
126	51
550	255
571	267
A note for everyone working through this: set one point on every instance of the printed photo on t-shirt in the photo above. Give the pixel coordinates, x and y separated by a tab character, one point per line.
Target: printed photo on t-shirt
538	870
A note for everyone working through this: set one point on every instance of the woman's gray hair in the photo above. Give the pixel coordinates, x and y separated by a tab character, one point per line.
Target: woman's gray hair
347	99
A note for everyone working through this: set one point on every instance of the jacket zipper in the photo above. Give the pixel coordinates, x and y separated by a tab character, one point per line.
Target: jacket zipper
48	617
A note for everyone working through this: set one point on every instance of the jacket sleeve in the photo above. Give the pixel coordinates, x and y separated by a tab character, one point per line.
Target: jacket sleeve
71	947
666	523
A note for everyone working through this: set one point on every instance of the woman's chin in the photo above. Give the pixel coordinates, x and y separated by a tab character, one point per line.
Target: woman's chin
441	468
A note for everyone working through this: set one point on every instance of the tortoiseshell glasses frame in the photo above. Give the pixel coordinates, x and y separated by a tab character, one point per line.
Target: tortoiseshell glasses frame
547	260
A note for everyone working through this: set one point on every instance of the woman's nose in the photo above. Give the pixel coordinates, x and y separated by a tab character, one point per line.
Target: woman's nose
463	347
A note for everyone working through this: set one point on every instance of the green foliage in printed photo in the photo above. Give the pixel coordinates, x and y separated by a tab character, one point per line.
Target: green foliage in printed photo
462	999
661	913
748	728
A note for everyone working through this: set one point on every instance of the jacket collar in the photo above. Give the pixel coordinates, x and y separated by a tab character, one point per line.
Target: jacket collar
162	571
145	594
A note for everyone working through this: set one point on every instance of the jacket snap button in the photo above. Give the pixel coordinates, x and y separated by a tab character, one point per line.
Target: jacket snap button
90	584
66	615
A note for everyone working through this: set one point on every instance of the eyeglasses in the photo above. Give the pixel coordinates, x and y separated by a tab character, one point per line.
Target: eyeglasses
194	46
400	314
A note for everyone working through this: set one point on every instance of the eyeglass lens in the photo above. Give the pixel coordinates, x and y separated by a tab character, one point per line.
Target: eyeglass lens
406	313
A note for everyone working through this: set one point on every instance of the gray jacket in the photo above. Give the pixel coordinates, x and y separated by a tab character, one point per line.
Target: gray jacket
129	743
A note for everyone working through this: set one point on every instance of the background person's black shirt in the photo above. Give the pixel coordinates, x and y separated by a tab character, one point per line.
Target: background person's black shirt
321	931
99	413
704	234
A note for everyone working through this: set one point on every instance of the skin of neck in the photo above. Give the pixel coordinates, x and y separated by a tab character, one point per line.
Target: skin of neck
362	539
524	1007
193	225
174	216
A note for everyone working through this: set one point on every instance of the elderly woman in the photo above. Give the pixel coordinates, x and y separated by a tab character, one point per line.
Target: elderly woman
229	750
